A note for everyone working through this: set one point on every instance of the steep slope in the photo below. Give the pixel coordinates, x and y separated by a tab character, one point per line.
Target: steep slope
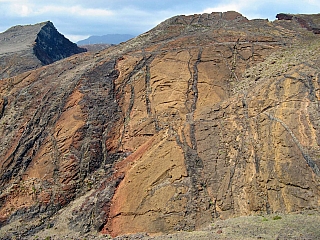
96	47
24	48
203	117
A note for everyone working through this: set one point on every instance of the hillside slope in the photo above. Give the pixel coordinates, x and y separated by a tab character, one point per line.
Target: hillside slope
28	47
204	117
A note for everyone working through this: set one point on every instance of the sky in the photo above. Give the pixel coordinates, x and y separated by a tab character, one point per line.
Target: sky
79	19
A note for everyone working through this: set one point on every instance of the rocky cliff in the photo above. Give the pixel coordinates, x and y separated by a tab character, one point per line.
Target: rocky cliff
204	117
25	48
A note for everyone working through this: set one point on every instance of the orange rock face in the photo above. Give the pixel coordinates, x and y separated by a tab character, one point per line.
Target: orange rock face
203	117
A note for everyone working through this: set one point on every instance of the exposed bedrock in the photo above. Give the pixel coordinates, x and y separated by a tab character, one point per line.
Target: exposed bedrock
204	117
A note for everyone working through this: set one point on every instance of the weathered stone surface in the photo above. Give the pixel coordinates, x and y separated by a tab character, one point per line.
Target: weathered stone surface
96	47
310	22
28	47
204	117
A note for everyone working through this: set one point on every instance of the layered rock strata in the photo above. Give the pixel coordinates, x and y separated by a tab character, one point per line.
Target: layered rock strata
203	117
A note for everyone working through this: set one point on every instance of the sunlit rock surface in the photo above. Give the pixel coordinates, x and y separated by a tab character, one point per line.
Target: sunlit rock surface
24	48
204	117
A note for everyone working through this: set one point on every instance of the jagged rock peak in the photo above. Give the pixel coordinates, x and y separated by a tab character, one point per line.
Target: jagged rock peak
31	46
50	45
205	19
35	27
209	117
308	21
20	37
43	38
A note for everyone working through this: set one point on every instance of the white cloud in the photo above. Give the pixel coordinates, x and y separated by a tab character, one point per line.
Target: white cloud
9	1
26	9
75	11
262	8
224	8
313	2
76	38
21	10
99	17
246	7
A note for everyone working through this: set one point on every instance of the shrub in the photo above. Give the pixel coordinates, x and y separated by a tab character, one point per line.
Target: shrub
276	217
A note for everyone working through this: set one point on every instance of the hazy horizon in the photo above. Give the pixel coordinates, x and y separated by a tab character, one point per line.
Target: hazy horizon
80	19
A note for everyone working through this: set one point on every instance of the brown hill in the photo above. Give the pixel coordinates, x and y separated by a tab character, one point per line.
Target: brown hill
204	117
96	47
28	47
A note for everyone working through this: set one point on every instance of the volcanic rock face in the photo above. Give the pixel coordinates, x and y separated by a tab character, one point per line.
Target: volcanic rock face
310	22
96	47
203	117
24	48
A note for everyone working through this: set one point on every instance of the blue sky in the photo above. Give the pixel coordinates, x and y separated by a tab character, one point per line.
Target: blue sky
78	19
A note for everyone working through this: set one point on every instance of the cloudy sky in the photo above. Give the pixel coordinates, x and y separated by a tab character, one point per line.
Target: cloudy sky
78	19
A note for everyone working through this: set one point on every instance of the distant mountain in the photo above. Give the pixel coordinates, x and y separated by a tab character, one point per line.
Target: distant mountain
109	38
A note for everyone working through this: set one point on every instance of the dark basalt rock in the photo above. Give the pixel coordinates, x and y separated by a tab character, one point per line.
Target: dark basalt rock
283	16
306	21
28	47
51	46
204	117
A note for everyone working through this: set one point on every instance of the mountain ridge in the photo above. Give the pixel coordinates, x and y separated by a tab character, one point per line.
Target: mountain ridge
204	117
26	47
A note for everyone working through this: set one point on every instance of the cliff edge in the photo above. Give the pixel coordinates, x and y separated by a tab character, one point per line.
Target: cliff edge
28	47
203	118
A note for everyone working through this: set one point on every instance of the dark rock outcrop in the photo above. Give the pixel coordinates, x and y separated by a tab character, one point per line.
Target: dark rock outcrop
96	47
51	46
24	48
310	22
204	117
